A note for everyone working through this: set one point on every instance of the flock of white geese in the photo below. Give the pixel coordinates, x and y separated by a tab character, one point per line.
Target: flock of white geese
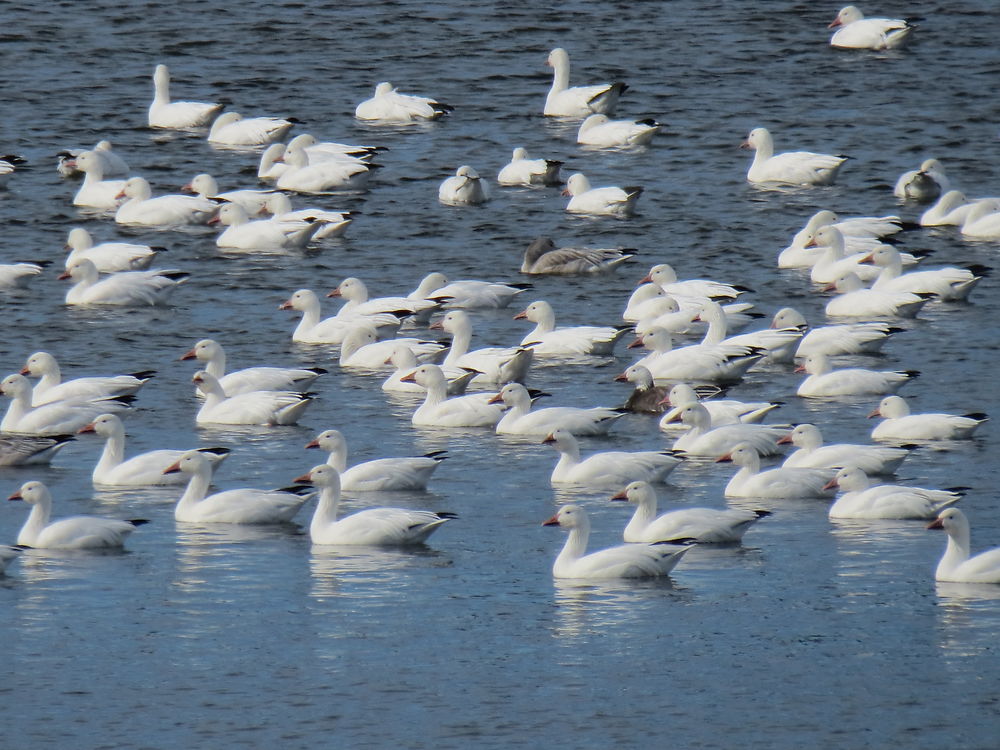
463	386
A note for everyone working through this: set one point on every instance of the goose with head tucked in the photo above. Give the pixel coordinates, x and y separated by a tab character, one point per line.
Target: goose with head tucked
853	300
776	483
601	201
380	475
241	233
464	188
57	418
945	282
623	561
251	408
861	499
109	257
564	100
72	532
543	257
438	410
51	387
26	450
601	131
17	275
548	341
95	191
141	470
232	129
958	564
164	113
495	364
607	468
249	379
824	381
142	209
519	419
405	361
372	526
330	223
705	438
312	328
811	452
854	31
242	506
124	288
389	107
703	525
722	411
834	340
468	294
205	186
523	170
900	425
790	168
923	185
304	174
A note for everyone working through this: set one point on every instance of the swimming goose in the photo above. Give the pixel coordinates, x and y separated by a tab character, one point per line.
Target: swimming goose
380	475
543	257
608	468
319	150
860	233
72	532
313	329
125	288
495	364
57	418
547	340
789	168
23	450
405	362
577	101
951	209
664	276
331	223
705	438
958	564
525	171
899	424
249	379
520	420
854	300
109	257
834	340
711	363
95	192
824	381
357	302
142	209
858	32
601	131
254	407
946	282
372	526
241	233
872	459
112	165
8	165
463	188
205	186
923	185
389	107
304	174
703	525
834	261
780	344
164	113
468	294
721	411
601	201
231	129
860	499
360	348
437	410
647	398
51	387
983	220
781	482
17	275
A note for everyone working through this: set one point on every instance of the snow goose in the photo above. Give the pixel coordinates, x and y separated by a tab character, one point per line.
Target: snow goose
601	131
790	168
750	481
823	380
923	185
983	220
947	282
24	450
331	223
354	292
543	257
51	387
951	209
405	362
437	410
142	209
659	310
17	275
547	340
319	150
664	276
712	363
860	499
244	506
95	192
623	561
254	407
109	256
8	165
646	398
957	564
834	340
313	329
854	300
857	32
608	468
232	129
249	379
703	525
722	411
58	418
520	420
372	526
125	288
389	107
205	186
382	474
523	170
273	165
873	459
241	233
142	470
861	233
577	101
164	113
112	165
72	532
601	201
463	188
468	294
6	555
705	438
833	260
360	348
495	364
899	424
303	174
779	343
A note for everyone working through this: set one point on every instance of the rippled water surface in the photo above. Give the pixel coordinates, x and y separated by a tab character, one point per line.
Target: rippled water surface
811	634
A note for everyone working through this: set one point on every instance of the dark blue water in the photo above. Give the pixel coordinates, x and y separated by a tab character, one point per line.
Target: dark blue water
812	634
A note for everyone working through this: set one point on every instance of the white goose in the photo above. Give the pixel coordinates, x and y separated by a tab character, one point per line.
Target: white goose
853	300
781	482
547	340
834	340
249	379
523	170
951	209
232	129
164	113
405	362
823	380
543	257
608	468
811	453
664	276
360	348
25	450
331	223
946	282
241	233
703	525
205	186
601	201
320	150
923	185
861	233
857	32
382	474
372	526
112	164
495	364
305	175
779	343
983	220
463	188
109	256
72	532
601	131
312	328
900	425
862	500
577	101
254	407
58	418
705	438
243	506
389	107
520	420
51	387
711	363
721	411
17	275
144	469
437	410
95	192
958	565
142	209
468	294
8	165
358	302
834	260
623	561
647	397
125	288
789	168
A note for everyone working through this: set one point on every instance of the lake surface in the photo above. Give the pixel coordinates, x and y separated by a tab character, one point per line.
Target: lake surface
810	634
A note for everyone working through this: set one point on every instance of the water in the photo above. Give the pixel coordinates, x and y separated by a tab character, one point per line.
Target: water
811	634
